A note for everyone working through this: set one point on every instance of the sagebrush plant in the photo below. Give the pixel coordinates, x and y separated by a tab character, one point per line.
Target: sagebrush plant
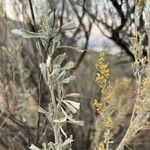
141	110
61	107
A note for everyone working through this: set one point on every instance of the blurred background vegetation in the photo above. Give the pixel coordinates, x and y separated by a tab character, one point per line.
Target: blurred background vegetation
101	24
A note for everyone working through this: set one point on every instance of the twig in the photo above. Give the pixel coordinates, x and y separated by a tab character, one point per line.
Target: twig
33	16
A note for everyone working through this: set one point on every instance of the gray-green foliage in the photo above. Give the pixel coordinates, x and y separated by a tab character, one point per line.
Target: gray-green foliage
61	106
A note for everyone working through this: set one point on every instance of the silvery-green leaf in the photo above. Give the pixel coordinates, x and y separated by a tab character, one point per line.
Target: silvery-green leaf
54	44
57	44
74	104
27	34
142	38
60	120
55	72
81	123
58	35
48	62
43	68
63	132
50	20
44	146
57	148
46	113
33	147
43	111
50	108
69	26
73	95
38	46
43	42
62	74
63	111
68	80
70	106
68	141
52	146
69	65
60	58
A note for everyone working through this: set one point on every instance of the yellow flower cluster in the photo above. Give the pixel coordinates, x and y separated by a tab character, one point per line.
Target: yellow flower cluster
135	127
140	67
140	5
107	92
100	107
103	69
109	121
137	44
142	92
143	104
101	146
103	106
140	61
102	77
